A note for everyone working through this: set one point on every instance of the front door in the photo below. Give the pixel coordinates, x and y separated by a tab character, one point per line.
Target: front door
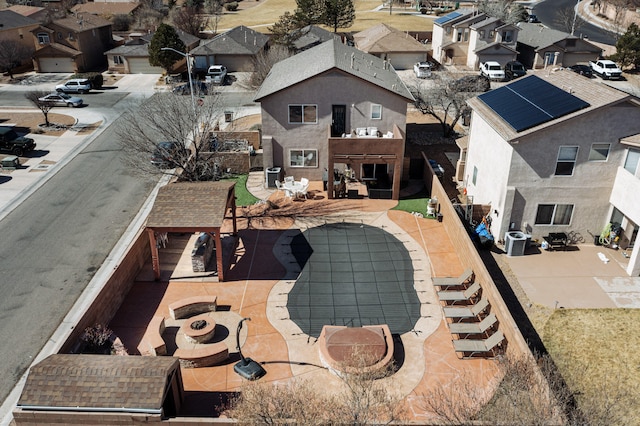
338	120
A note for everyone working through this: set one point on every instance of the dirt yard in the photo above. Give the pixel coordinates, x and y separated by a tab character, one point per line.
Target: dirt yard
29	122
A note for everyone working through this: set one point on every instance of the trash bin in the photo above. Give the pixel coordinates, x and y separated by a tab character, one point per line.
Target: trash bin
272	175
515	243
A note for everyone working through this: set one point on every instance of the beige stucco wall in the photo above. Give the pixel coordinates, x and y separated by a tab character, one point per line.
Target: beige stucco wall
331	88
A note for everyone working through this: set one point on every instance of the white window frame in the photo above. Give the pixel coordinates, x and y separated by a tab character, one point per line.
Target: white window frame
118	60
574	161
306	163
636	154
302	110
375	107
43	38
553	215
594	153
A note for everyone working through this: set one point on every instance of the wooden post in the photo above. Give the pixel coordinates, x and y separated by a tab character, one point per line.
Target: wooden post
219	254
155	258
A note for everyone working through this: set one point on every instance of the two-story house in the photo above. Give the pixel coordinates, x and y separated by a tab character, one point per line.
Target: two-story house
469	37
334	106
539	46
17	28
557	152
73	44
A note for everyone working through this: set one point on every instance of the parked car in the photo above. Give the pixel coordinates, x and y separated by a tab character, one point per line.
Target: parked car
200	88
514	69
163	156
437	168
76	85
606	69
423	69
61	99
533	19
582	69
216	74
492	70
11	142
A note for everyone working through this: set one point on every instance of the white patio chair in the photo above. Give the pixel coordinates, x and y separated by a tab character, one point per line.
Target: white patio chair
288	179
304	181
303	191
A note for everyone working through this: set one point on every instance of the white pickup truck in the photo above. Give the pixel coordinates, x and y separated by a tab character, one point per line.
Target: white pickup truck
606	69
492	70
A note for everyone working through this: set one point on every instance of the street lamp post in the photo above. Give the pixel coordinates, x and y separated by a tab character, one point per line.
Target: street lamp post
186	56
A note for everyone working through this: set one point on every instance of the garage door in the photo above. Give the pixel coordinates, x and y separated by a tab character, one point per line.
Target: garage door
405	61
56	65
236	63
142	66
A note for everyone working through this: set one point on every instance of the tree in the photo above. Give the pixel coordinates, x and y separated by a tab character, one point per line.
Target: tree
148	18
338	14
264	61
215	9
284	30
628	47
507	11
165	36
189	20
445	99
171	117
34	96
12	55
308	12
568	20
121	22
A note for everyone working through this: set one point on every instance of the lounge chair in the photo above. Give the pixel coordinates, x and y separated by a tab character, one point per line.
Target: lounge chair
473	327
471	347
461	312
445	282
459	295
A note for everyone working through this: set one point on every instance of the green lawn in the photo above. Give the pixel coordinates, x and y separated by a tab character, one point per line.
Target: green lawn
415	203
243	196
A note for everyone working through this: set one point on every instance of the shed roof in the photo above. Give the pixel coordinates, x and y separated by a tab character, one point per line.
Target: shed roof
383	39
195	205
237	41
329	55
98	381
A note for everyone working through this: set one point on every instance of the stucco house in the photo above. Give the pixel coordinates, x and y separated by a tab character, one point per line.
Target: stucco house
539	46
40	14
557	152
16	27
335	107
391	44
73	44
235	49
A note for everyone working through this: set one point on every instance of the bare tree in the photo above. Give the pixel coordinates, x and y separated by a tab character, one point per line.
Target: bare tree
148	18
12	55
568	20
173	118
34	96
508	11
445	98
189	20
264	61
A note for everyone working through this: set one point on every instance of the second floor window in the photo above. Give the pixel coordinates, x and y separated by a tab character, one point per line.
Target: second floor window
43	38
554	214
507	36
599	152
632	161
566	160
305	114
376	112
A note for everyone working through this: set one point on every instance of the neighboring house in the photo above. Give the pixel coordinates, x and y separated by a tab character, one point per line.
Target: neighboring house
39	14
468	37
311	36
235	49
556	152
106	10
539	46
335	107
72	44
133	56
393	45
16	27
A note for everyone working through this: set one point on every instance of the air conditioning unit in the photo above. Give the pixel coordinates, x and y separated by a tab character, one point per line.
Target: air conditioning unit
514	243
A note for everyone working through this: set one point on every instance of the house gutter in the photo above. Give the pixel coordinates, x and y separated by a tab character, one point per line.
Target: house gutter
93	409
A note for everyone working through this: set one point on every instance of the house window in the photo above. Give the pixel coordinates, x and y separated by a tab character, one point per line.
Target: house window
554	214
632	160
43	38
466	34
459	35
447	30
550	57
507	36
118	60
481	34
566	160
599	152
303	158
475	175
59	36
492	34
376	112
71	36
307	114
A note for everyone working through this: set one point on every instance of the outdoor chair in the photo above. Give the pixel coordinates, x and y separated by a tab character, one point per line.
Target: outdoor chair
304	181
467	277
471	347
459	295
280	187
458	313
466	328
288	178
303	191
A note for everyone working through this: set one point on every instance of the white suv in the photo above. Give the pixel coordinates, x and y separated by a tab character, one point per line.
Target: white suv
216	74
492	70
76	85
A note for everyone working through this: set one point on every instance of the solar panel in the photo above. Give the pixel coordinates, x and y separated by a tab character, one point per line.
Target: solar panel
531	101
446	18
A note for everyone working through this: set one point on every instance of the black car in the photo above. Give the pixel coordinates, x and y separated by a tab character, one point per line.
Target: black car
514	69
10	141
163	156
533	19
199	87
582	70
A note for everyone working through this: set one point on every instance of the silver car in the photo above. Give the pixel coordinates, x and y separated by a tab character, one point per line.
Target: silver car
61	99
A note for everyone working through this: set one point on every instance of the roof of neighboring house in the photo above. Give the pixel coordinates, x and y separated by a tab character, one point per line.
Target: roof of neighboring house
453	17
488	21
56	49
25	10
382	39
594	94
111	8
10	19
237	41
482	46
187	39
130	50
312	35
469	19
539	36
98	381
329	55
82	22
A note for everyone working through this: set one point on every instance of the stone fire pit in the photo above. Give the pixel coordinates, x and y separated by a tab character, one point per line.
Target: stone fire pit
199	329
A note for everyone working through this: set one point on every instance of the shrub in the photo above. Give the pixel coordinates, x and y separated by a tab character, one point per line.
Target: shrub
97	337
121	22
231	7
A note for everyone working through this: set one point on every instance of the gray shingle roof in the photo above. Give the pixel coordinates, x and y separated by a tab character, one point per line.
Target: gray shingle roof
329	55
539	36
10	19
237	41
312	35
130	50
98	381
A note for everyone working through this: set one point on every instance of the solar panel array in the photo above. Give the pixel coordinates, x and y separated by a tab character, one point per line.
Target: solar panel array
446	18
531	101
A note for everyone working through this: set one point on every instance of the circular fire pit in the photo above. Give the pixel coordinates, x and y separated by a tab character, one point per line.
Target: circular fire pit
199	329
